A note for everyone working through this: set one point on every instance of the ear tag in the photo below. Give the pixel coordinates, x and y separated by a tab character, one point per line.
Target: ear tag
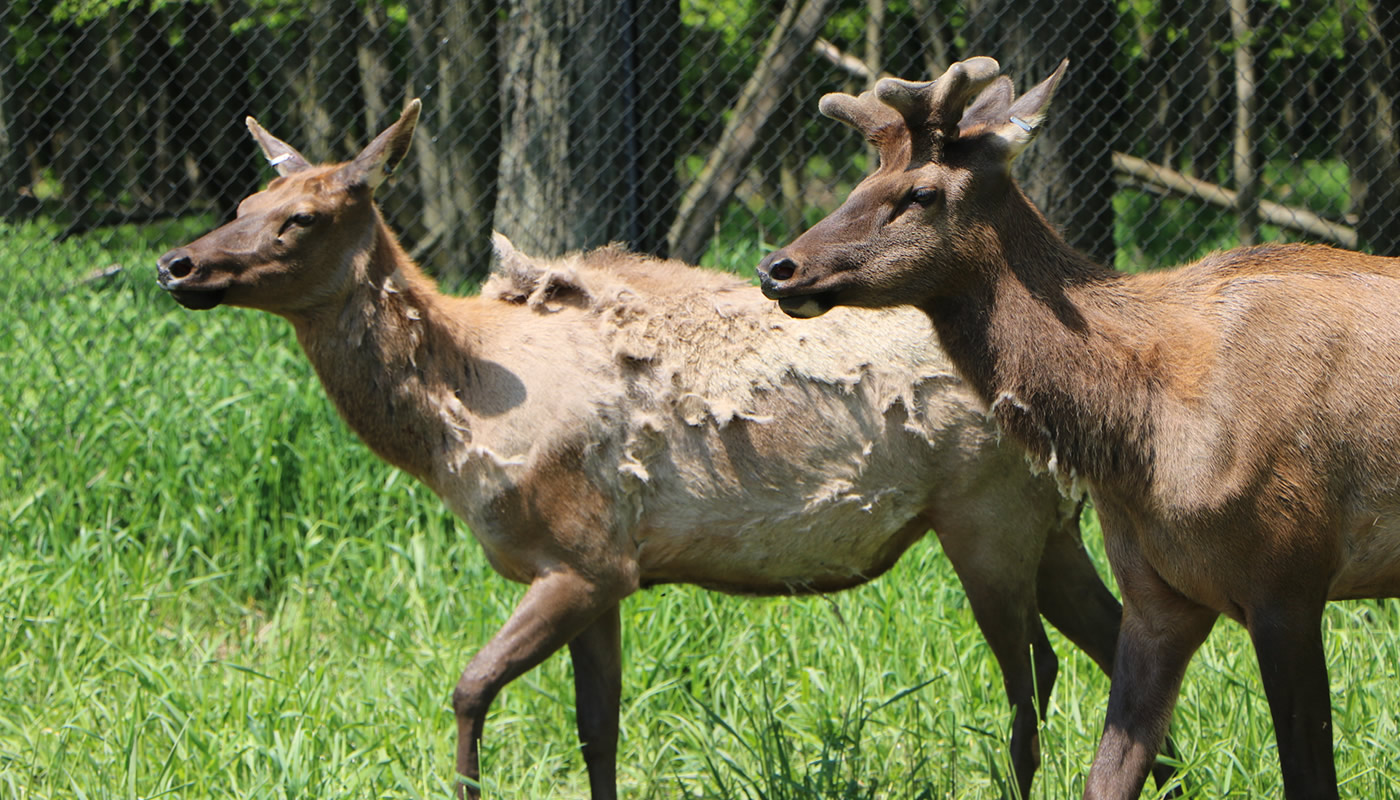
1022	124
278	161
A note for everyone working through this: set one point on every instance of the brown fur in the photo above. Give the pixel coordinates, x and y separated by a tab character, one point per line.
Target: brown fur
605	422
1234	420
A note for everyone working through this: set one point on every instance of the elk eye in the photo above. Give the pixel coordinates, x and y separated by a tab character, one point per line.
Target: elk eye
923	195
302	220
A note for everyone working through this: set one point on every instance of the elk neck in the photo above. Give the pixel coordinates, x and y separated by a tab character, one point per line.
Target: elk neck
1053	343
392	357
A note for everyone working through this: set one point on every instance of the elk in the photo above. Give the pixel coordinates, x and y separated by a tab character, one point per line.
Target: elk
1234	420
607	422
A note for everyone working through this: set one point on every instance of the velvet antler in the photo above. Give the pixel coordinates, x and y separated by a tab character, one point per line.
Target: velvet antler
933	109
881	125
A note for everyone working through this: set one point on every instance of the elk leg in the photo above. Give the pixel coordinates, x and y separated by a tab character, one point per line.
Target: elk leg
1161	631
597	656
1293	666
1011	625
555	609
1074	598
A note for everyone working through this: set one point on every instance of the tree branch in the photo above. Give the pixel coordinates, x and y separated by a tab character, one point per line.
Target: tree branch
1275	213
700	207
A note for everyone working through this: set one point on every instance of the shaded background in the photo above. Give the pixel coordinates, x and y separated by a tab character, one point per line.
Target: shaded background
691	129
210	589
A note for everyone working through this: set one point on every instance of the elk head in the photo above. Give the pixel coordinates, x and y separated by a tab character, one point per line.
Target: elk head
943	179
292	245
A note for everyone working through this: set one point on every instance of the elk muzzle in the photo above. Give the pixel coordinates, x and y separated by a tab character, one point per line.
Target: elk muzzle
780	277
178	273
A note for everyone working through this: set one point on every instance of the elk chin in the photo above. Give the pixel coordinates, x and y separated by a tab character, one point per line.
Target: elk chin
198	299
805	306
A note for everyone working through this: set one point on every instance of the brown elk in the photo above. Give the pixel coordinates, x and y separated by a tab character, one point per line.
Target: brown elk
608	422
1234	421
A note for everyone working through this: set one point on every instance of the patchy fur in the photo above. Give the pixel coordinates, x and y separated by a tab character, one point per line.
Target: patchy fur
779	427
606	421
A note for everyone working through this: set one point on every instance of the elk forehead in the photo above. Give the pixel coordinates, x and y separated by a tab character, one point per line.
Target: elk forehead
312	190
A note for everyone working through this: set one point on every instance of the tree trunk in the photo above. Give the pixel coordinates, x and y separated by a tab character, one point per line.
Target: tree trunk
1211	134
1246	104
654	31
213	97
322	74
80	170
793	35
1068	173
874	39
937	53
1371	148
14	168
588	148
1185	79
458	138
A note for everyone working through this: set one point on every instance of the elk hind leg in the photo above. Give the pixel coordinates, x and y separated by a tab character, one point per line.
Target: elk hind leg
597	657
1007	614
557	607
1293	666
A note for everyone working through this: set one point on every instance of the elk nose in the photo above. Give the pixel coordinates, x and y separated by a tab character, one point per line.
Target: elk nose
782	270
775	269
173	266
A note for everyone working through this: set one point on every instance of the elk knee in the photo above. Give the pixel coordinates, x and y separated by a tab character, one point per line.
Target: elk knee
470	697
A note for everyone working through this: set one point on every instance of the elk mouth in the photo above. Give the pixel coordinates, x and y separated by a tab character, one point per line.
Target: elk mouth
806	306
197	299
178	274
799	304
778	281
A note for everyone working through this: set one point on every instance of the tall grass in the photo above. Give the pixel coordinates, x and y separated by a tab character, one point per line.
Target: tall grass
210	589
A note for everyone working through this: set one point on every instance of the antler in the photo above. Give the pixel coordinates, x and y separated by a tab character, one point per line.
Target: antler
933	109
882	126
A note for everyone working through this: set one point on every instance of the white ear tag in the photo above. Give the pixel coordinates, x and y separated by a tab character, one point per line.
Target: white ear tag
280	159
1022	124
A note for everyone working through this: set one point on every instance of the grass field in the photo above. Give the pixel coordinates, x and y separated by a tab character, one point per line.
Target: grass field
210	589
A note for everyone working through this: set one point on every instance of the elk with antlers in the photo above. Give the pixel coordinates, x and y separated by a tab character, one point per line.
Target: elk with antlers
1235	421
608	422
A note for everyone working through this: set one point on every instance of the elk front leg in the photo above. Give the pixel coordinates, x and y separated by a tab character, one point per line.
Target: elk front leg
557	607
1161	631
597	655
1293	665
1076	601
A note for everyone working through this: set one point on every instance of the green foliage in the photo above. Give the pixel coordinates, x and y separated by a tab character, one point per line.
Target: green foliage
1154	229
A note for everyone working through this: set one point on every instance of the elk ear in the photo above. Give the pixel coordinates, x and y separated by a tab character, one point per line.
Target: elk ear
510	259
379	159
279	154
1018	127
990	107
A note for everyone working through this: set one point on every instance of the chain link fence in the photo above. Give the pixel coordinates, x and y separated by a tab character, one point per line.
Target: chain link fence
691	129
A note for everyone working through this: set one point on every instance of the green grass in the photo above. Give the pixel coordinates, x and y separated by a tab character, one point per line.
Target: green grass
210	589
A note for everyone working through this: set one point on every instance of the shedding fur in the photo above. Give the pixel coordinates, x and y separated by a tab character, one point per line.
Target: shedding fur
605	422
